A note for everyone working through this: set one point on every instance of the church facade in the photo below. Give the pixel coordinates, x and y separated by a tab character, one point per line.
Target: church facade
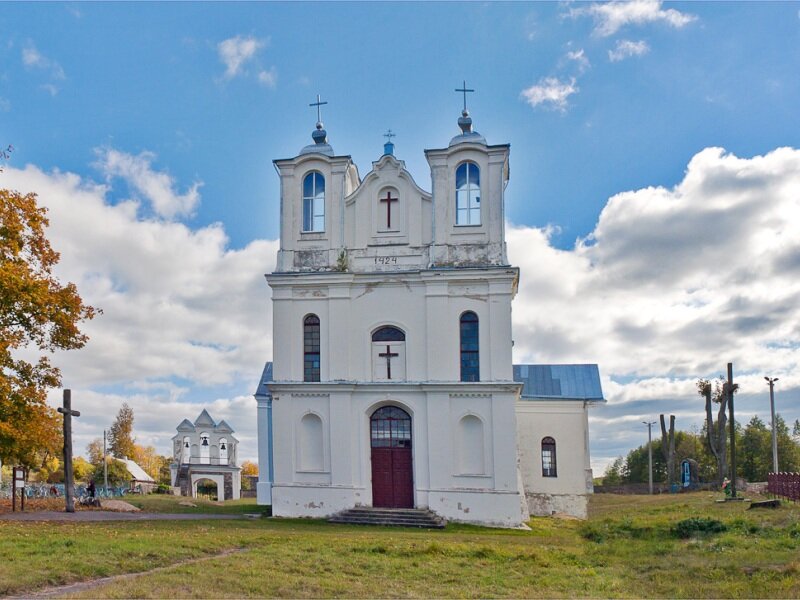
392	382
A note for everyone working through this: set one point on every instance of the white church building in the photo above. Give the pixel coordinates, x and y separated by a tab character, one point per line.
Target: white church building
392	382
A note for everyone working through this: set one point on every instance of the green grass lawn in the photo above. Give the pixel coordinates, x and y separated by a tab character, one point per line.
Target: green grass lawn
165	503
628	548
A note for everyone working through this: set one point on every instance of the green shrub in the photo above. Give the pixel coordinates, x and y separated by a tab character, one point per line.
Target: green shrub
697	526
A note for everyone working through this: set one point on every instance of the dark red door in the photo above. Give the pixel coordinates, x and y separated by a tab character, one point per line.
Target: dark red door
392	472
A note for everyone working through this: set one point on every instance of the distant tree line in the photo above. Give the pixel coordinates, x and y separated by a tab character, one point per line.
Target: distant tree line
753	454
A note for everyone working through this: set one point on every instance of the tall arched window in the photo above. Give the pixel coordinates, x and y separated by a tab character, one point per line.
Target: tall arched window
314	202
549	457
223	451
205	448
468	194
311	348
470	355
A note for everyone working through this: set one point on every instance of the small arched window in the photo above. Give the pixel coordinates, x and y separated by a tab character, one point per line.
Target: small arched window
468	194
223	451
389	334
549	457
205	448
470	355
314	202
311	348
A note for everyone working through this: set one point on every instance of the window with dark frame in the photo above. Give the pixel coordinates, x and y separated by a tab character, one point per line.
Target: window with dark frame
311	348
468	194
470	354
314	202
549	457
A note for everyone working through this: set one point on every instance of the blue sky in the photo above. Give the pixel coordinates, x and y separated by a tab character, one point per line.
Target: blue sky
176	111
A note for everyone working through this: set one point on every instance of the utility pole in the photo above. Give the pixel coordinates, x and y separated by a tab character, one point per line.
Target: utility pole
771	381
105	464
733	430
650	452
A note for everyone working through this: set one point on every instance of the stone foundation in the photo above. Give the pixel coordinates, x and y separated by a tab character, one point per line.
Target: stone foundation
545	505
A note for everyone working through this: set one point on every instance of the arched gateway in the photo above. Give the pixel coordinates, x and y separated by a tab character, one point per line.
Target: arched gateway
392	466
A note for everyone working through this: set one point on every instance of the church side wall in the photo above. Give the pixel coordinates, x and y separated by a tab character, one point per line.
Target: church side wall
566	422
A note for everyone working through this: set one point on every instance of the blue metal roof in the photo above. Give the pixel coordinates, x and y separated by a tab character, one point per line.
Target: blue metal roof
568	382
266	377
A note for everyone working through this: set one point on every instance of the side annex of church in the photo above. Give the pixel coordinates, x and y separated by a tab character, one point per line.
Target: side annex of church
392	382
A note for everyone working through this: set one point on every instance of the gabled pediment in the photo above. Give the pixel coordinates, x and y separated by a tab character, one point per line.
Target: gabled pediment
186	425
204	420
387	170
223	427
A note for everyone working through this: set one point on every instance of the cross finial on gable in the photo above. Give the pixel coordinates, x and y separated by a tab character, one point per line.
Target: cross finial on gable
318	103
464	91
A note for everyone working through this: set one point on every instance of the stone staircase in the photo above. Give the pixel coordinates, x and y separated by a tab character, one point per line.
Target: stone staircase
396	517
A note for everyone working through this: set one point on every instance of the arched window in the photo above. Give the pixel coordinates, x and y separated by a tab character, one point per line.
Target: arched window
388	354
223	451
470	355
205	448
470	449
468	194
389	334
314	202
312	456
549	457
186	451
311	348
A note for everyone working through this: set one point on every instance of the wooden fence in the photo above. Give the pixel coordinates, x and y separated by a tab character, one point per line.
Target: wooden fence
786	485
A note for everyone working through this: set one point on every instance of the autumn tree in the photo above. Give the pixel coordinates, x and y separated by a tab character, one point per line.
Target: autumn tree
120	437
716	433
249	469
95	451
38	315
150	460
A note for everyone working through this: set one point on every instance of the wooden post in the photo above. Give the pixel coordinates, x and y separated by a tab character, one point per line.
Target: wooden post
69	488
733	430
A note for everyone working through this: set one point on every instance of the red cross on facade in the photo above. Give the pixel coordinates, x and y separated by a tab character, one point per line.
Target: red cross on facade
388	355
389	201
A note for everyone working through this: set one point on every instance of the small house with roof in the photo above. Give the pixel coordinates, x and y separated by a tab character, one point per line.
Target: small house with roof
205	452
139	480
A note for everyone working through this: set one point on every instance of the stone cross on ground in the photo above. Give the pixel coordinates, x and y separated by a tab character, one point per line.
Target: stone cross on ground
69	489
388	355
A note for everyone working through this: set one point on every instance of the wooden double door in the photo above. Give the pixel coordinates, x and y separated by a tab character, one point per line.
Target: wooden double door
392	465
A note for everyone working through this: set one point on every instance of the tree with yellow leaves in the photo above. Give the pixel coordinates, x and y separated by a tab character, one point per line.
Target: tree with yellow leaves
36	312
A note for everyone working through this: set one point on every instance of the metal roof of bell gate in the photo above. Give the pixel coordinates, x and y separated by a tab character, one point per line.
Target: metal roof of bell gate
553	382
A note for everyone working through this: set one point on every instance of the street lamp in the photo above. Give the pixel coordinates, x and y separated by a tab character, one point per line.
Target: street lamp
771	381
650	452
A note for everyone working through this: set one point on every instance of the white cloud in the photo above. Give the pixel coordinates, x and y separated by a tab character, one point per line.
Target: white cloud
33	59
579	57
236	52
5	104
626	48
671	285
610	17
156	187
550	92
180	309
268	78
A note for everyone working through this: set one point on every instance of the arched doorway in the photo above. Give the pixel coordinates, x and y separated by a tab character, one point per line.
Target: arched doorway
207	488
392	467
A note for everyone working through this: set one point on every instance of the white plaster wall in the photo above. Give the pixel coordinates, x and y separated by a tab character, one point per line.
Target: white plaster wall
566	422
492	497
427	305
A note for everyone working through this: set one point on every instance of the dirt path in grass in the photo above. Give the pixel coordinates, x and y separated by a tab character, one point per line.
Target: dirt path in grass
81	586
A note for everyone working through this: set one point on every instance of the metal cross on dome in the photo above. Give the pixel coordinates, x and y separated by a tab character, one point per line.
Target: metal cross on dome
389	135
464	90
318	103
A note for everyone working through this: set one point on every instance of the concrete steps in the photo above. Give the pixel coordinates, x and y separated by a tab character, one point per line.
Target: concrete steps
396	517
